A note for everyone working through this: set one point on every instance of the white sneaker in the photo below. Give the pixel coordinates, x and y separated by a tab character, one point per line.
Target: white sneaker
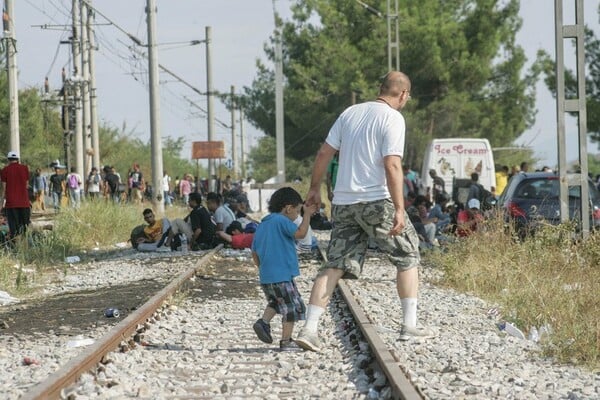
309	341
407	333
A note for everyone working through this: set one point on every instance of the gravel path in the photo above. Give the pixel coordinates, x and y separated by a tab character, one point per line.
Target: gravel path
470	357
48	350
205	348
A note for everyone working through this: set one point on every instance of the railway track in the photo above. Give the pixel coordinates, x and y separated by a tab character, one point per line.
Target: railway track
199	343
194	339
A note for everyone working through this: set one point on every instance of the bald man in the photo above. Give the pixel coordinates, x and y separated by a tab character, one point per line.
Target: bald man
368	202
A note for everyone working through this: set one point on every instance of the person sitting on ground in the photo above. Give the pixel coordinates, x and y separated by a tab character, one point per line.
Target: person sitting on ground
198	227
154	235
241	211
425	229
439	212
236	236
223	214
307	243
469	220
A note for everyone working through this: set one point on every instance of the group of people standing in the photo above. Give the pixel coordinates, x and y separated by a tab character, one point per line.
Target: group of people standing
178	190
75	187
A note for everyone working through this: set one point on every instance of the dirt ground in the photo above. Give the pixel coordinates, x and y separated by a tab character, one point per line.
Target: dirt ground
80	312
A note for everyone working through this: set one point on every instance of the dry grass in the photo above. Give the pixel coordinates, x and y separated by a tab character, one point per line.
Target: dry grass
95	225
548	279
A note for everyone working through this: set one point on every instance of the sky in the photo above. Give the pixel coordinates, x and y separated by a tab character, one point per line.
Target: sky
536	33
240	28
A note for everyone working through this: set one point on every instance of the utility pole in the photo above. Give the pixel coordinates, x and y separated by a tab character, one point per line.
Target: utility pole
10	44
209	106
66	118
572	32
85	89
393	37
233	152
75	81
155	139
92	87
279	133
242	144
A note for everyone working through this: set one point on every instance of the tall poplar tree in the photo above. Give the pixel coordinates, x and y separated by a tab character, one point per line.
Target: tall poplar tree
467	72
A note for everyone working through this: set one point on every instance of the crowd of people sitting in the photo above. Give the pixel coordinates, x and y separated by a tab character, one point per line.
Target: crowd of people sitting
218	220
438	218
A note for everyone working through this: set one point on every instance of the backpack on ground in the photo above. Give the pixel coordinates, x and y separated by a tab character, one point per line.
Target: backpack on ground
73	181
136	233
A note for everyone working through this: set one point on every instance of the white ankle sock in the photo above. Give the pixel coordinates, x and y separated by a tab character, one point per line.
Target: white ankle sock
409	312
313	313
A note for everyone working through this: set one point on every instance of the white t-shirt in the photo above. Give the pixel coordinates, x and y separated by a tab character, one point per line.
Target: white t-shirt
364	134
94	183
166	180
304	244
224	215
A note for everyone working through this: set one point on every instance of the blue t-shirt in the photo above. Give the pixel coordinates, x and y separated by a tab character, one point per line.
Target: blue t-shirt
276	249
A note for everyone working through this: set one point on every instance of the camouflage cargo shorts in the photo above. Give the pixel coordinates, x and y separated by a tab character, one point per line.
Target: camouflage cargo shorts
355	224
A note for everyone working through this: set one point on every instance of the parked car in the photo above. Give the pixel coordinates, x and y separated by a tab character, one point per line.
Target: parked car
532	199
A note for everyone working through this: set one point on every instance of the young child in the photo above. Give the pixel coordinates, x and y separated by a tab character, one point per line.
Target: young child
274	252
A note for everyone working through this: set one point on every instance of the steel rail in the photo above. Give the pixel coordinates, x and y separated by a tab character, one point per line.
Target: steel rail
401	386
52	386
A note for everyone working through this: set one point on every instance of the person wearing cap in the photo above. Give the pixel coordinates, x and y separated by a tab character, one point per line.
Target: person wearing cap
469	220
14	195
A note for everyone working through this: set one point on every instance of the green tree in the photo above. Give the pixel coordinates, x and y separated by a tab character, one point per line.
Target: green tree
461	55
40	133
122	149
262	157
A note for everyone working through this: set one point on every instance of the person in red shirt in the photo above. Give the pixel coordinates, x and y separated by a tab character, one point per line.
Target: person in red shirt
236	236
468	220
14	195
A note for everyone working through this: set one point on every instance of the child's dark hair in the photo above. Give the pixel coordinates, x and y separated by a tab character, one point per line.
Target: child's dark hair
285	196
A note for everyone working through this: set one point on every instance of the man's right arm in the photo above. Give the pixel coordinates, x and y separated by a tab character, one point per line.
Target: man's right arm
324	156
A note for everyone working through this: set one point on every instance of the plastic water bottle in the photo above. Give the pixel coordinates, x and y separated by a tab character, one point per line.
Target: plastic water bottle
184	244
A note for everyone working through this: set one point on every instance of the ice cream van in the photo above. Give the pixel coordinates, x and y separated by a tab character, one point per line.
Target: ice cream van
458	158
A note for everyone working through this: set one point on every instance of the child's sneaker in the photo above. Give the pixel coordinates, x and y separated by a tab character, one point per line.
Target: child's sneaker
263	331
289	345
